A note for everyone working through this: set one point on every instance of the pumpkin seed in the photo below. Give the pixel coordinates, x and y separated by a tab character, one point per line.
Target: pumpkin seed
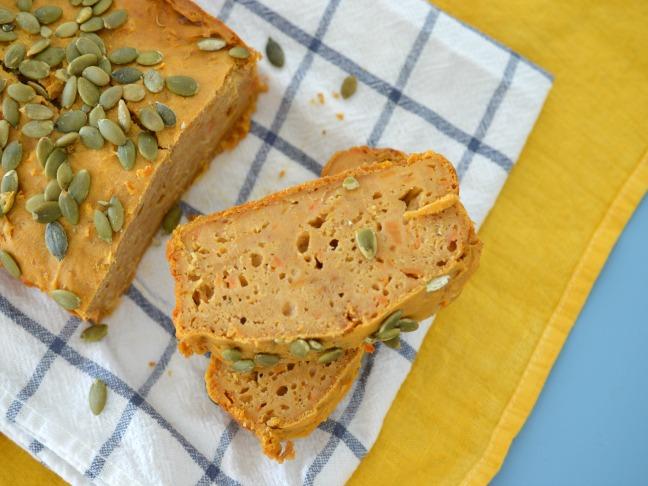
71	121
231	354
24	5
40	91
150	119
34	201
211	44
93	25
315	344
4	133
69	207
38	112
150	58
367	242
6	201
167	114
52	190
8	27
55	159
123	55
7	36
66	29
67	139
104	65
115	214
101	6
126	155
79	63
85	45
239	52
12	155
9	182
46	212
96	114
110	96
85	108
391	321
37	128
123	116
349	86
10	264
388	334
38	46
265	359
102	225
115	19
56	240
34	69
299	348
48	14
243	365
94	333
126	75
6	16
10	111
97	40
43	150
147	145
71	52
97	397
88	92
53	56
21	92
437	283
46	32
80	186
182	85
64	174
407	325
275	53
393	343
88	3
28	22
14	55
134	92
3	84
84	15
171	219
153	81
350	183
75	3
111	132
91	138
330	355
69	93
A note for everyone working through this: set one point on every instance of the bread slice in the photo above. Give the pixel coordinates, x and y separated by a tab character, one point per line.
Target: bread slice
94	271
287	268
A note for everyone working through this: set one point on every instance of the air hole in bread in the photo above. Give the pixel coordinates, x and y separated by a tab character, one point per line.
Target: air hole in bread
243	320
302	242
318	265
334	243
290	366
256	259
376	195
441	263
288	309
282	275
282	390
410	197
452	246
243	281
317	222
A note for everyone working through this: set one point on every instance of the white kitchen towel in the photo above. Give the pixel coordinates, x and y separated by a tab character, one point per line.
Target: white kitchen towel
425	81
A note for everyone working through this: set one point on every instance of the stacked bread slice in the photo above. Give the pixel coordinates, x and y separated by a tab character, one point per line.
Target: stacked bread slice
288	292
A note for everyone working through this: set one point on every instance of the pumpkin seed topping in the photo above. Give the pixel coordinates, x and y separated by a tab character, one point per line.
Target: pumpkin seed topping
80	186
171	219
126	75
14	55
10	111
66	29
437	283
367	242
115	214
153	81
48	14
167	114
97	397
266	360
349	86
211	44
10	264
150	58
43	150
9	182
111	132
275	53
12	155
350	183
102	226
239	52
56	240
126	155
149	117
91	138
243	365
231	354
182	85
299	348
115	19
38	46
147	145
94	333
46	212
21	92
330	355
93	25
124	116
52	191
33	69
134	92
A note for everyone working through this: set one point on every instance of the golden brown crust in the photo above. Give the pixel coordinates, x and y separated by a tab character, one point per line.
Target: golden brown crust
354	157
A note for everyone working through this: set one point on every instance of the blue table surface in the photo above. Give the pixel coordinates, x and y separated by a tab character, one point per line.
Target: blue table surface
590	424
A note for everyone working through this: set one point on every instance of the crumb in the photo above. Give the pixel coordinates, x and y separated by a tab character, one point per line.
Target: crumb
282	173
336	95
152	364
339	116
169	372
320	98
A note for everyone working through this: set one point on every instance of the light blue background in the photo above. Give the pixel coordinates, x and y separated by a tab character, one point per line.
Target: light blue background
590	424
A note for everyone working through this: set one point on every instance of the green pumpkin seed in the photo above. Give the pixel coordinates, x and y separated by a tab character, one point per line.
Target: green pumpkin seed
123	116
111	132
243	365
34	201
46	212
350	183
126	75
266	360
126	155
123	55
12	155
211	44
115	19
48	14
153	81
91	138
349	86
150	119
97	397
67	139
96	114
81	62
66	29
85	45
55	159
69	207
167	114
46	31
9	182
4	133
150	58
393	343
21	92
64	175
88	92
437	283
93	25
53	56
6	16
299	348
10	111
43	150
275	53
388	334
315	344
97	40
101	6
69	93
407	325
110	96
24	5
104	65
367	242
182	85
52	190
231	354
71	121
3	84
14	55
75	3
171	219
40	91
134	92
239	52
28	22
80	186
147	146
115	214
37	128
102	225
6	201
56	240
34	69
10	264
88	3
71	52
330	355
7	36
391	321
94	333
84	15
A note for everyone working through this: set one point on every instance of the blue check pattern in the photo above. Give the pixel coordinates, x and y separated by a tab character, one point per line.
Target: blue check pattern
270	136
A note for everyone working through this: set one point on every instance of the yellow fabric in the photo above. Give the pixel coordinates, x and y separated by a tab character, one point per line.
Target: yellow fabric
580	177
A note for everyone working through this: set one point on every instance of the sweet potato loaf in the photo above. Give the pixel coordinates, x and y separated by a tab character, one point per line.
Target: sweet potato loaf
284	402
309	271
110	110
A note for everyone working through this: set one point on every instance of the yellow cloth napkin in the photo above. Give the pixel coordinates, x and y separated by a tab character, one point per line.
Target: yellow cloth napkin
581	175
